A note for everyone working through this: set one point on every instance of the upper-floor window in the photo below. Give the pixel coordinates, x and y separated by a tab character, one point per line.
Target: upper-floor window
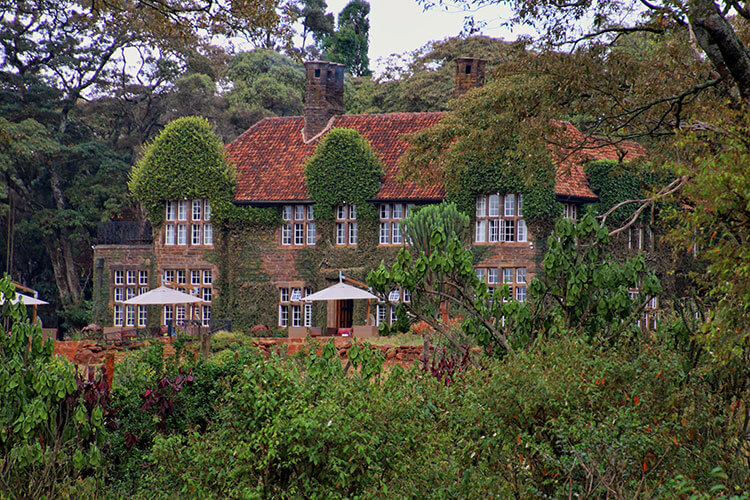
570	211
499	218
346	225
391	215
299	225
198	233
182	210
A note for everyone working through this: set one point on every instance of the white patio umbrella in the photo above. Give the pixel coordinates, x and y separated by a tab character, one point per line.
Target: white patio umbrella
162	296
25	300
340	291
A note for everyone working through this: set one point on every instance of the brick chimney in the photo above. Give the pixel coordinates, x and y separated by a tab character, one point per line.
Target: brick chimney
469	74
324	95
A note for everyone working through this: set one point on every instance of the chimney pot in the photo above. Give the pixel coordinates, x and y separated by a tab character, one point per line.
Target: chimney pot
469	74
324	95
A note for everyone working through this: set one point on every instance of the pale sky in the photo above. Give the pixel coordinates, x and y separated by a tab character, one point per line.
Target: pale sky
401	26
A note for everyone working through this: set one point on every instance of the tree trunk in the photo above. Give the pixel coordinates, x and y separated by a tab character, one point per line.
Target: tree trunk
60	250
721	44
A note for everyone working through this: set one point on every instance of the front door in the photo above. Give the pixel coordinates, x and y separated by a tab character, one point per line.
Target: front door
343	313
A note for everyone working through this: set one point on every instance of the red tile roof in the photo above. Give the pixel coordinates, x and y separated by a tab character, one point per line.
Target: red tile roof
270	157
574	149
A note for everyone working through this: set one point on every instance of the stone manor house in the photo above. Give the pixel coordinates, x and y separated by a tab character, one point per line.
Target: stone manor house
270	157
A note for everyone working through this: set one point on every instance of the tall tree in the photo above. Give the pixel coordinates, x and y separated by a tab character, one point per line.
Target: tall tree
316	22
264	83
350	43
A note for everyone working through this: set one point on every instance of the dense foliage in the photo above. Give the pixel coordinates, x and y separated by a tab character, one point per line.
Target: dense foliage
343	170
51	420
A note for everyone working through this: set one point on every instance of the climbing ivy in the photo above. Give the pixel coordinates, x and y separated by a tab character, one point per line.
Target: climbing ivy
344	169
613	182
186	160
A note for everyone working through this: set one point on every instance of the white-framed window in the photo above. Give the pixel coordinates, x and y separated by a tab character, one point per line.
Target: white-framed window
346	225
299	212
311	232
170	210
310	212
407	296
380	311
169	275
570	211
286	234
119	295
196	234
283	315
142	315
180	315
169	234
180	273
207	294
299	234
296	295
195	277
296	315
196	213
286	212
117	320
181	234
206	210
208	234
182	210
492	276
513	277
520	275
142	290
118	277
207	277
385	211
129	315
168	314
397	211
522	233
499	219
143	277
480	235
395	233
510	205
385	238
206	315
283	294
129	293
390	230
308	314
393	314
130	276
509	230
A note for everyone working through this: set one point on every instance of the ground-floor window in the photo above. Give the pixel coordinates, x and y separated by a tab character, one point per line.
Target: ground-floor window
513	277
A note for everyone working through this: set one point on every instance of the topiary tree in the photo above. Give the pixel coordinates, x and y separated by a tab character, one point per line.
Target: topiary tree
343	170
186	160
